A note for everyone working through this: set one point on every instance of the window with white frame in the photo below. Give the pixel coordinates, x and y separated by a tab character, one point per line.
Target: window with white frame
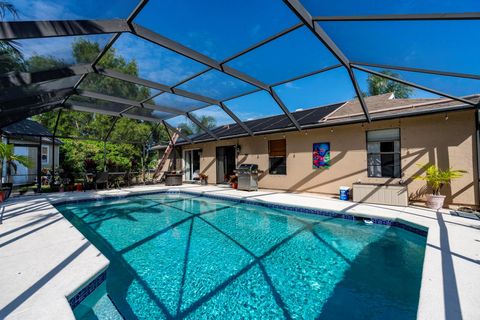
383	153
45	154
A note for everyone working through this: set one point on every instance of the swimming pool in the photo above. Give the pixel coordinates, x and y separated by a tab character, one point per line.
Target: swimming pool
187	256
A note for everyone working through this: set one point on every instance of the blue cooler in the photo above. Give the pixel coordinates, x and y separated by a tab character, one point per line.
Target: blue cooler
344	193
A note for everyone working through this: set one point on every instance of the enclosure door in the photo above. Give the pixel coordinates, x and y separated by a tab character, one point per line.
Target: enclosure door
21	175
225	163
191	164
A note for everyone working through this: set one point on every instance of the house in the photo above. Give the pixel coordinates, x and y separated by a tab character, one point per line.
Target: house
403	134
35	141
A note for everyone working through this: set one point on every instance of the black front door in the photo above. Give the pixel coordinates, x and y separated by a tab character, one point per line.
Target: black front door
225	163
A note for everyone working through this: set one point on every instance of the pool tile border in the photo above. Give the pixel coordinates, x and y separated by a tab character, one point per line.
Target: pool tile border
328	213
87	290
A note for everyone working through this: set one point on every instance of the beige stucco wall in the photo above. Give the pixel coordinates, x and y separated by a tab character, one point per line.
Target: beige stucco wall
424	139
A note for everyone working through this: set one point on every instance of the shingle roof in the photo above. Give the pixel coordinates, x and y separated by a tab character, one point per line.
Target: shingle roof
304	117
26	128
29	128
384	105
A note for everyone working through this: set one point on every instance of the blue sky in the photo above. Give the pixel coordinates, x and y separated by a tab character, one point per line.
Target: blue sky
219	28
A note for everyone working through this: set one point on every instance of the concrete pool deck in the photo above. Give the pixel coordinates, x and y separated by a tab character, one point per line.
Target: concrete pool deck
44	259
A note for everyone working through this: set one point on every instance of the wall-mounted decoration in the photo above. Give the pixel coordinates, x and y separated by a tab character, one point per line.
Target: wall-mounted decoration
321	155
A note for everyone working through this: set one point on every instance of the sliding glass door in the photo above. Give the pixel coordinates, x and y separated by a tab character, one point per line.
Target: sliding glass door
191	164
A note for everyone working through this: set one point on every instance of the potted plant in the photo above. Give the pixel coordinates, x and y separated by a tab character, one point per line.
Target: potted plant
233	180
11	160
436	179
203	179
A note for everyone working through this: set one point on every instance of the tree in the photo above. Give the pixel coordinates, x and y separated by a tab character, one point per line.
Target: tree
39	63
81	124
11	160
380	85
188	128
11	58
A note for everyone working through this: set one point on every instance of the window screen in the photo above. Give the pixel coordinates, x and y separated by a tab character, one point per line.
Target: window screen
277	152
383	153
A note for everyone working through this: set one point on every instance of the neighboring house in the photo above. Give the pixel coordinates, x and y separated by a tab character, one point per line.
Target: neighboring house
404	133
35	141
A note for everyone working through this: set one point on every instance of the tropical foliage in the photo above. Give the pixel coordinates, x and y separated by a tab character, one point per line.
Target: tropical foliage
189	128
11	160
97	126
437	178
380	85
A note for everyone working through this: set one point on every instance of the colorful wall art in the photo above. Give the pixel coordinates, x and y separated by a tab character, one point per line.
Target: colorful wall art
321	155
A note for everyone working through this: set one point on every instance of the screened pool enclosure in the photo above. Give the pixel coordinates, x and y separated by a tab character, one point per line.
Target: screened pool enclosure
172	62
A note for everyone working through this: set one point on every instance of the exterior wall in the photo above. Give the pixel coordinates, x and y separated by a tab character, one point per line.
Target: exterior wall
424	139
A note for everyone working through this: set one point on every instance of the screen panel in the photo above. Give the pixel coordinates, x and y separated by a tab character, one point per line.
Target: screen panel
217	85
451	85
32	55
185	126
216	28
325	88
291	55
436	45
87	125
177	102
371	7
253	106
151	61
27	10
131	130
213	117
117	88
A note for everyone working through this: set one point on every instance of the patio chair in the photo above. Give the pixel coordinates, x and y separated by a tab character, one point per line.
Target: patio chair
101	179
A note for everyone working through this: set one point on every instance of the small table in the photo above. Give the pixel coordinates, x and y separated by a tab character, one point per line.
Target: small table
173	179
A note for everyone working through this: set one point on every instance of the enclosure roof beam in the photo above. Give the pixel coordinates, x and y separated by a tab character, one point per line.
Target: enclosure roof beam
403	17
20	103
14	30
235	118
203	127
16	79
418	70
112	40
168	126
302	13
91	108
128	102
155	85
199	57
284	108
180	92
414	85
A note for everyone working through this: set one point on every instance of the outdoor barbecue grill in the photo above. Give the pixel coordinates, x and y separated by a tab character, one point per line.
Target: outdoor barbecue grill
247	177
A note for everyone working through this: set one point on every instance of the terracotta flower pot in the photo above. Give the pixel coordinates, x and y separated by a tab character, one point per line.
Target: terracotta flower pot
435	201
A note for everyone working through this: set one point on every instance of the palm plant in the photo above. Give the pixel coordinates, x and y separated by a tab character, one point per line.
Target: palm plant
437	178
10	55
11	160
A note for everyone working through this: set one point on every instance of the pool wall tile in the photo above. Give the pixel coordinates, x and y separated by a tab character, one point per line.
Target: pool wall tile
415	229
87	290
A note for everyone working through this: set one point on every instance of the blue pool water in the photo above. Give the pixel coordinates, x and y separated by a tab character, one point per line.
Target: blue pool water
187	256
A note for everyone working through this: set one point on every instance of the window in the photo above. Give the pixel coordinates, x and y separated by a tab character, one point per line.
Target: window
45	154
383	149
277	152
